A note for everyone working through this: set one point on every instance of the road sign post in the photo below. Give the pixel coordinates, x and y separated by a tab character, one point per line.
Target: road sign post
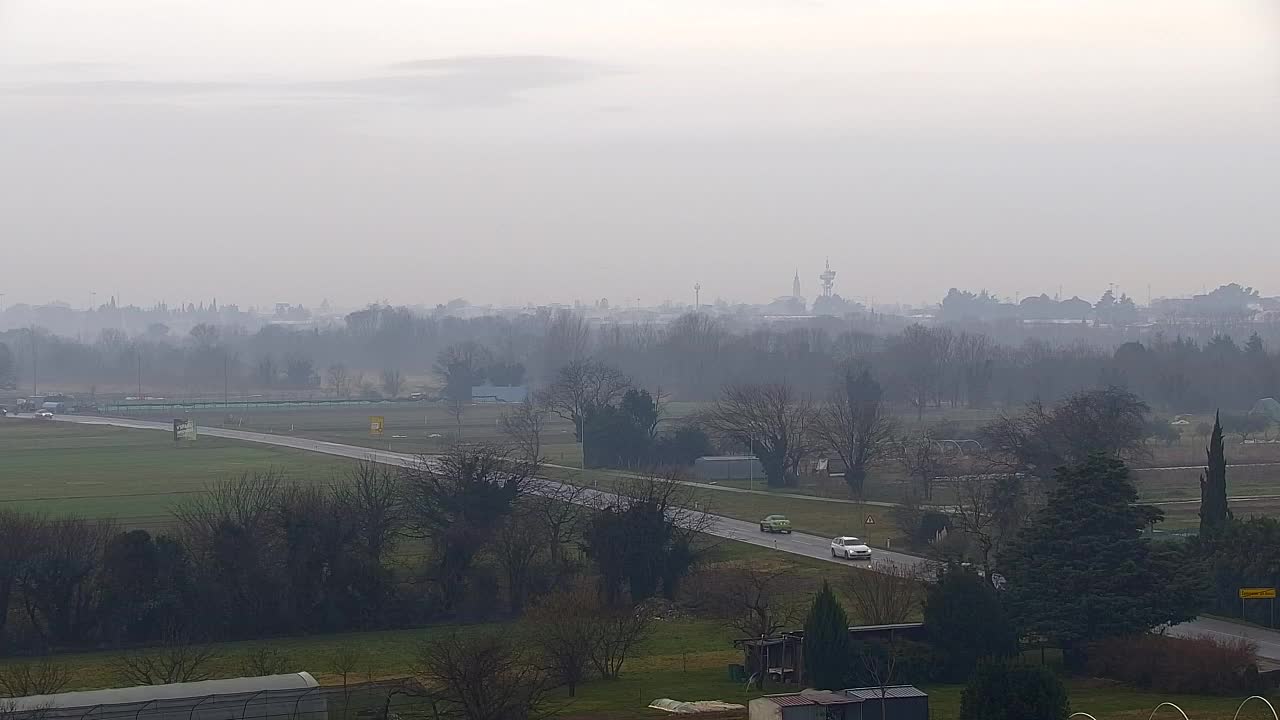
376	424
1258	594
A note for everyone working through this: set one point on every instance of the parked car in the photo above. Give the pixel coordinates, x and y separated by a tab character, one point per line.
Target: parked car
850	548
776	524
44	415
3	411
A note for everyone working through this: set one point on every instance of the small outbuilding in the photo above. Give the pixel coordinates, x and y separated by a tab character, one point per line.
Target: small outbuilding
296	696
901	702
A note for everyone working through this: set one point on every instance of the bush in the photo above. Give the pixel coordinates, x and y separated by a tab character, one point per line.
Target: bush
1001	690
1199	666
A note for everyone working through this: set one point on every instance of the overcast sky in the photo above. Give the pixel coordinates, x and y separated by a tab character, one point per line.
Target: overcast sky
539	151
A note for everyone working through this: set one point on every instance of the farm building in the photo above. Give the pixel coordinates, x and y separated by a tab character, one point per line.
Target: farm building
901	702
728	467
295	696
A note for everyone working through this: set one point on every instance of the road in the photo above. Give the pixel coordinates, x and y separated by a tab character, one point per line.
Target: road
802	544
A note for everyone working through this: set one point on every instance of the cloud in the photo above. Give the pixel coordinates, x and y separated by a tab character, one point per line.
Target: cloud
449	81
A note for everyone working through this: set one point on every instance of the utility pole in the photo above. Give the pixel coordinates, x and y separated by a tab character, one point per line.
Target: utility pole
226	384
35	364
139	352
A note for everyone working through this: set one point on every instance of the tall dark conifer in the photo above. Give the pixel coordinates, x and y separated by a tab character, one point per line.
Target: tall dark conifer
1214	513
826	642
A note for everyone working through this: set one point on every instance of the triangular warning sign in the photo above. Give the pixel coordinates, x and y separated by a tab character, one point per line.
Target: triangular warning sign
870	520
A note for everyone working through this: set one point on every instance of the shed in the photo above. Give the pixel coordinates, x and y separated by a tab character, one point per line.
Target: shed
901	702
296	696
806	705
728	467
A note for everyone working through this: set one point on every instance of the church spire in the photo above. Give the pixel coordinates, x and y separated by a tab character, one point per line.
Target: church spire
795	284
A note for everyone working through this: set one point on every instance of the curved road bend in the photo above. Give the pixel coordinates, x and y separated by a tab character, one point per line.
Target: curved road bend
810	546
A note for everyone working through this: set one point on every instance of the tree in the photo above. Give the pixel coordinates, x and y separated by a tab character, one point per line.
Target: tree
42	677
1040	439
458	501
392	383
583	387
520	542
989	507
264	660
756	599
855	424
20	537
924	460
966	622
7	368
484	677
457	408
1004	690
826	642
462	367
178	660
886	595
300	372
1088	538
617	631
562	626
339	378
1214	513
59	583
646	538
267	371
523	427
773	420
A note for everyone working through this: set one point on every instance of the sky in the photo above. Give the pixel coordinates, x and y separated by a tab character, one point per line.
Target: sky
513	152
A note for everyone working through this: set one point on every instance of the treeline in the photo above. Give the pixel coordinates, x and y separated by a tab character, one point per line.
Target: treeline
964	364
470	535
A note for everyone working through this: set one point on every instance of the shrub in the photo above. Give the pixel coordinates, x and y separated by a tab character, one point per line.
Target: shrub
1001	690
1199	666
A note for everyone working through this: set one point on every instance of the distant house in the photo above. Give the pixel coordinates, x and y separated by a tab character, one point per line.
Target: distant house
499	394
727	467
901	702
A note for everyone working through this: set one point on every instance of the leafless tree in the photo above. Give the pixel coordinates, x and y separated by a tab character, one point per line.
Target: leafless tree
392	382
520	542
919	357
855	424
247	502
880	660
456	407
339	378
344	661
178	660
560	508
758	599
462	366
773	420
562	626
924	460
41	677
11	710
371	496
582	387
617	631
484	677
263	660
989	509
59	585
523	426
889	593
567	340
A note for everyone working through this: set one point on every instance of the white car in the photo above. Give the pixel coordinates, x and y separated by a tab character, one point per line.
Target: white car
44	415
850	548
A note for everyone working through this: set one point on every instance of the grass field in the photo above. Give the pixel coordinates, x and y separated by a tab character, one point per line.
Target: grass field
135	476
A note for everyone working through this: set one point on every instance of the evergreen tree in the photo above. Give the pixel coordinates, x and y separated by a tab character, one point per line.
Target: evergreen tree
1080	570
1002	690
1214	513
966	622
826	642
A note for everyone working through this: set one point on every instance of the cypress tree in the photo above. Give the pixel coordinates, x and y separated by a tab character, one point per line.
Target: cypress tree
1214	513
826	642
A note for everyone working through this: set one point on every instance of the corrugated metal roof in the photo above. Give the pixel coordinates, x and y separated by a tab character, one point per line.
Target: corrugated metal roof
875	628
789	700
894	691
174	691
812	697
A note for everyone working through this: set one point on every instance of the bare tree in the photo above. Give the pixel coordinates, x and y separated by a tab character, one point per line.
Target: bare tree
264	660
617	632
582	387
344	661
42	677
562	626
924	460
888	594
919	357
456	407
59	583
339	378
462	366
485	677
758	600
880	660
20	535
560	508
392	382
772	420
178	660
523	426
989	509
371	496
520	540
855	424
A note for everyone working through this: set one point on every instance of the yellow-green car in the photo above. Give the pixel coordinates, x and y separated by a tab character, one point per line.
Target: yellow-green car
776	524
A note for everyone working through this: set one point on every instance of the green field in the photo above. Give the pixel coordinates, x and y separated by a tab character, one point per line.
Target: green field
135	476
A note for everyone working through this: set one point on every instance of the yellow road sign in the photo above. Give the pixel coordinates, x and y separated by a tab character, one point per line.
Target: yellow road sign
376	424
1257	593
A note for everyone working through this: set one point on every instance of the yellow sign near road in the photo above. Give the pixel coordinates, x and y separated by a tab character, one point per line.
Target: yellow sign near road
376	423
1257	593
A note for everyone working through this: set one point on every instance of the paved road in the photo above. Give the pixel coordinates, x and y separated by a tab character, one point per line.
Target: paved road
811	546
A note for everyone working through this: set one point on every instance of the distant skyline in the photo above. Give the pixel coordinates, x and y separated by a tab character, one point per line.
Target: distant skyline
521	151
